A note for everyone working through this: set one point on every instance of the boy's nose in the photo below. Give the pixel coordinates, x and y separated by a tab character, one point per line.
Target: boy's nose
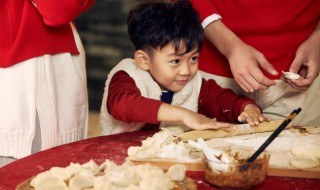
185	69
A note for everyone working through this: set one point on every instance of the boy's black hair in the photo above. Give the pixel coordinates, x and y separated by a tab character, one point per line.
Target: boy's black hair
155	25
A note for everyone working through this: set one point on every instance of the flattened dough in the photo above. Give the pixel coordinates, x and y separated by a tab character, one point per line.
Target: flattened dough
302	162
306	148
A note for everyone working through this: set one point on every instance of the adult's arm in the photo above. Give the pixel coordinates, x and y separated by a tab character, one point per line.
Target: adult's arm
244	60
61	12
206	10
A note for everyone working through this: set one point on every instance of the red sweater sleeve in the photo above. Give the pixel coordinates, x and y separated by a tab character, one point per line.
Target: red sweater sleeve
204	7
57	13
220	103
125	102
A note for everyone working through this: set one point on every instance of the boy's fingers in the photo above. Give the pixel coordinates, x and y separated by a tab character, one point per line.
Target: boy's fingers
250	120
224	126
256	120
240	118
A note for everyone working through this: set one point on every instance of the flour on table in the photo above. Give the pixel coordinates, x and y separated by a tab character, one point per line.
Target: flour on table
281	143
305	130
280	159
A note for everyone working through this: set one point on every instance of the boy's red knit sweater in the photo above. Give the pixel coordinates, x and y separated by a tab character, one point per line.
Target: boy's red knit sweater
29	31
275	28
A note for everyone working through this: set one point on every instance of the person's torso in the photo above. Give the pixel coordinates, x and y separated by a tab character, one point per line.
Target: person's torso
275	28
24	35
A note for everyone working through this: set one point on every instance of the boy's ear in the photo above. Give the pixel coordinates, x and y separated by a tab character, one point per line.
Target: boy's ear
141	58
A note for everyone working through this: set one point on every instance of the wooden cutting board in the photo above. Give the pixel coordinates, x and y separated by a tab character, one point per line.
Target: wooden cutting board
272	171
279	151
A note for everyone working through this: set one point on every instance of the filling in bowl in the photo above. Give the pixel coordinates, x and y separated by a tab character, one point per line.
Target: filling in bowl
236	172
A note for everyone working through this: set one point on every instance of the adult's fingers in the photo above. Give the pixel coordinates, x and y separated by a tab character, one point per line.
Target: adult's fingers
253	79
244	85
265	65
260	82
300	84
307	75
252	84
296	64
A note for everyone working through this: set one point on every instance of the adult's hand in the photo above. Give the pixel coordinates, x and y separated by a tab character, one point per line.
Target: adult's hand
246	64
307	62
245	61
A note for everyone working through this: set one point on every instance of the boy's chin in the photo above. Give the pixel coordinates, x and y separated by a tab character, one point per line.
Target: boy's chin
176	89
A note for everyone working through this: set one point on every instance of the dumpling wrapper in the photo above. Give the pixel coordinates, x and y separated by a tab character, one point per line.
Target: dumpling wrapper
290	75
303	162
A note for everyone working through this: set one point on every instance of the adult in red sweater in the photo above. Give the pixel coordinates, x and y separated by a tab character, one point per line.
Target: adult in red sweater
43	94
162	84
249	44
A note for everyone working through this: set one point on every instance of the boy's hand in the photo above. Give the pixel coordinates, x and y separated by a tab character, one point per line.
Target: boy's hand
200	122
252	115
193	120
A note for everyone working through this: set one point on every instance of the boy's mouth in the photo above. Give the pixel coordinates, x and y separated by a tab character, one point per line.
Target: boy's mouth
181	82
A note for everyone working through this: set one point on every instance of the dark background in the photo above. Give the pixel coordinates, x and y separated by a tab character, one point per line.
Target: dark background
103	31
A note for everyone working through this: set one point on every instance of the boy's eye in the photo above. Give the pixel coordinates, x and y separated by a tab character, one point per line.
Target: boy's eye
194	59
176	61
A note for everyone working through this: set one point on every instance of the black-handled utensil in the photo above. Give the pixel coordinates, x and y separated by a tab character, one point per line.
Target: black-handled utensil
283	125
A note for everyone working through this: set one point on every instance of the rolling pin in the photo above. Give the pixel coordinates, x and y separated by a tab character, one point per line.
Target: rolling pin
240	129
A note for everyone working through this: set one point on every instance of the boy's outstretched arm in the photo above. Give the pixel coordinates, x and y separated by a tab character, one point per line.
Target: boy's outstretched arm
170	113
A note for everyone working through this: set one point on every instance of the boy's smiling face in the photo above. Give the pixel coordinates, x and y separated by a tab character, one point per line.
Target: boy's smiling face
173	70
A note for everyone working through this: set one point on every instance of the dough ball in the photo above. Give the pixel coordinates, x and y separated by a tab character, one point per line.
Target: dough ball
302	162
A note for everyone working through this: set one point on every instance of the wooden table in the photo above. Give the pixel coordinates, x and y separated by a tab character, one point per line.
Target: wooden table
114	147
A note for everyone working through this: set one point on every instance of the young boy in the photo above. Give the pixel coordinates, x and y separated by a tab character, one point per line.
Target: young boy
162	83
